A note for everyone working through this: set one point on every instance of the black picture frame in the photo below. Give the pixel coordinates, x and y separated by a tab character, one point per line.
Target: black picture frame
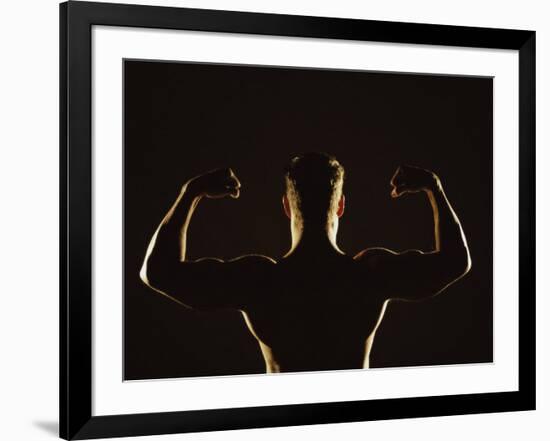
76	21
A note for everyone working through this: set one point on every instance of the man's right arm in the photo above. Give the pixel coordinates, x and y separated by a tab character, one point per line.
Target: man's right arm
415	274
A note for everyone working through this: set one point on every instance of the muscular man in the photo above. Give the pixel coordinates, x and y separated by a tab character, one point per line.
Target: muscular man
316	308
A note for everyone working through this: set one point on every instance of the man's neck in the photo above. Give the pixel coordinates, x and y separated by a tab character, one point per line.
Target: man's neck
314	239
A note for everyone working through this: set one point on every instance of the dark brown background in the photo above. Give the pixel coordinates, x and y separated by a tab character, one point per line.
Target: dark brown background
183	119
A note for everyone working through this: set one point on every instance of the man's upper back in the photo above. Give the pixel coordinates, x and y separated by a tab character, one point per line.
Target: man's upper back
314	312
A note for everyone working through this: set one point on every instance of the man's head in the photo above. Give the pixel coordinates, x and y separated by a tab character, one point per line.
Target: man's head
314	183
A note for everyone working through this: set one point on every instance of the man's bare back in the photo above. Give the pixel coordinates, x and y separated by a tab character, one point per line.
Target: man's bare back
314	319
316	308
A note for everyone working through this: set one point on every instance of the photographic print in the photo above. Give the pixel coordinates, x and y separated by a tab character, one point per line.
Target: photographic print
301	220
281	219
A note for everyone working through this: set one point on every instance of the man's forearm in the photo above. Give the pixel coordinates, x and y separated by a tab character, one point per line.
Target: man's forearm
168	244
450	240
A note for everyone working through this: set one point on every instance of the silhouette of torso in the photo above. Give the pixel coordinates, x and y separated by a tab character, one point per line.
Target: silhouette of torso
316	313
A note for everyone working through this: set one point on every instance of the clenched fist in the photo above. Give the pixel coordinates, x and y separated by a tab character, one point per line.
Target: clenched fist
216	184
408	179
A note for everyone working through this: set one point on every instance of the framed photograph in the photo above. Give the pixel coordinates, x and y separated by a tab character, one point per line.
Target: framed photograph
272	220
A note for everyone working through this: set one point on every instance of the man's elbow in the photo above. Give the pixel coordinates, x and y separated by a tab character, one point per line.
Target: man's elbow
466	264
459	267
151	274
143	274
160	277
148	275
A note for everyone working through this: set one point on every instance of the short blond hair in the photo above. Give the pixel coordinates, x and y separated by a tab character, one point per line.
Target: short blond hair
314	184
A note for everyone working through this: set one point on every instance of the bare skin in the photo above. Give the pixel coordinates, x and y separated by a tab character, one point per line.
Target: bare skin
290	305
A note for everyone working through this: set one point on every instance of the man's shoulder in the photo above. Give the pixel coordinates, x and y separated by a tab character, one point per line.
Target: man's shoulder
374	253
376	258
254	259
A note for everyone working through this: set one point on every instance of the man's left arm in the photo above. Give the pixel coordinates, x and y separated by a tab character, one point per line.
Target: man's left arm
205	283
